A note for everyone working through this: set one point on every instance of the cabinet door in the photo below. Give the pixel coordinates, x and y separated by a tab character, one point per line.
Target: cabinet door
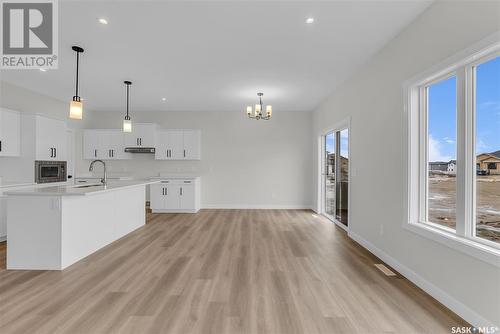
146	133
192	143
90	144
117	145
10	133
175	145
44	139
60	140
186	193
157	196
142	135
50	139
161	145
172	196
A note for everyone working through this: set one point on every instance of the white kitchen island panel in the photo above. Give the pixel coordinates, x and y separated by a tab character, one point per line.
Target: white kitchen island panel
53	232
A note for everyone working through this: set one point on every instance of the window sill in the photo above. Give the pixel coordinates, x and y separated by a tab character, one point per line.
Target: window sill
475	249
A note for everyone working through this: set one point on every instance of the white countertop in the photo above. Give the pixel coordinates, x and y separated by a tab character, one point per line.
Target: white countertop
76	190
10	184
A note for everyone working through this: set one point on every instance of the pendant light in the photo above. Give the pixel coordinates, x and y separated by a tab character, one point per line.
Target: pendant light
127	123
76	106
259	109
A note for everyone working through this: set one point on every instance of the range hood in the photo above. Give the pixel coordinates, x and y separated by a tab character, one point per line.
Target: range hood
140	150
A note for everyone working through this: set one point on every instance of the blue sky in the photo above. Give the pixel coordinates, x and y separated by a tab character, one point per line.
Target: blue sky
344	143
442	113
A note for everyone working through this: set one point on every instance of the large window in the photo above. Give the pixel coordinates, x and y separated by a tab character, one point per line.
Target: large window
487	139
441	152
453	114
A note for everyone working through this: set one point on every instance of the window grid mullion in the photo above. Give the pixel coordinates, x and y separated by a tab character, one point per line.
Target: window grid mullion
462	155
470	154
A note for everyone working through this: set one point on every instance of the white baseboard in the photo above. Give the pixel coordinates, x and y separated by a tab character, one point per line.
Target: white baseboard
257	206
444	298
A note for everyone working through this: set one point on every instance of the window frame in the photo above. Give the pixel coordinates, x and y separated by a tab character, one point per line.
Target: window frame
415	90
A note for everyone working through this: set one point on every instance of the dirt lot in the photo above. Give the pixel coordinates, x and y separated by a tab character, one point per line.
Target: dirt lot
442	204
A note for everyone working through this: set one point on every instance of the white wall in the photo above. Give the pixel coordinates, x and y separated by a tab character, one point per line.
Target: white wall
21	169
373	100
245	163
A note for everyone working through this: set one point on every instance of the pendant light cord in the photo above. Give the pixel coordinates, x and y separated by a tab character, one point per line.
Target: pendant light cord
127	99
77	63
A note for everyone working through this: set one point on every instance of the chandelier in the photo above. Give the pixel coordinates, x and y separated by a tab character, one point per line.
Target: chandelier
257	114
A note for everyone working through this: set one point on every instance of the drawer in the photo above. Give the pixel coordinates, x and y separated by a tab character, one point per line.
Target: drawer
177	181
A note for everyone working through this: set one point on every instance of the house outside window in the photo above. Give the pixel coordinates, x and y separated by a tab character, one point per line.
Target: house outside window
492	165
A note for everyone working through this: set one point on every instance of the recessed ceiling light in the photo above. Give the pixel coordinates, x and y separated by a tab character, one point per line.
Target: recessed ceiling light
164	99
310	20
43	70
103	21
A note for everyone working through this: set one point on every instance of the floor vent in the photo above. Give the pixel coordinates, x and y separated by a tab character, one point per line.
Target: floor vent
384	269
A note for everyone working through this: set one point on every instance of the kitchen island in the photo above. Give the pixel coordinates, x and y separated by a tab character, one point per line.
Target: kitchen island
52	227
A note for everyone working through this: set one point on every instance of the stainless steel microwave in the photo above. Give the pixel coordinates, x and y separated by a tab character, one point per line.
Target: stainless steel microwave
50	171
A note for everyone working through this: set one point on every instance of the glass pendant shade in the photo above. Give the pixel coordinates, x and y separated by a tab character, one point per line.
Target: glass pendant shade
76	110
249	110
269	110
127	125
258	109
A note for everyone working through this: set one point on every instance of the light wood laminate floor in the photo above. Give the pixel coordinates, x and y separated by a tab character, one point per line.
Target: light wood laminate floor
222	271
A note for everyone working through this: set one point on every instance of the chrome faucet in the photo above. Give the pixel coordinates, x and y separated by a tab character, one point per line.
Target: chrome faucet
104	180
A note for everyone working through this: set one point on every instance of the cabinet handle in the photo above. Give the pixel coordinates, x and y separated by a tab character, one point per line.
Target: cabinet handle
181	191
166	191
95	153
113	153
0	146
163	191
51	152
55	152
184	153
140	141
137	141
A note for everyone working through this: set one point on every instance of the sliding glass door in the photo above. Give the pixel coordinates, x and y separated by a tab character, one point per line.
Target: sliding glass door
336	176
330	169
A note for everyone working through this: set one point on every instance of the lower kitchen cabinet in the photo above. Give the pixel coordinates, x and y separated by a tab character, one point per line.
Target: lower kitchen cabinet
176	195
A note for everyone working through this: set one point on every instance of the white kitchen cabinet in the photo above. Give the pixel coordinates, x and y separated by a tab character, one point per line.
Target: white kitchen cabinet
176	195
50	139
142	135
91	144
104	144
10	133
192	144
178	145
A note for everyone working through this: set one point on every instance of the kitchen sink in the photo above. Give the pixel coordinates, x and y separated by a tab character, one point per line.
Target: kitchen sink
88	186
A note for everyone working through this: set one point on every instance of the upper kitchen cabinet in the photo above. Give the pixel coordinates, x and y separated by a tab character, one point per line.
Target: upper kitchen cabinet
104	144
192	144
50	139
142	135
10	133
178	145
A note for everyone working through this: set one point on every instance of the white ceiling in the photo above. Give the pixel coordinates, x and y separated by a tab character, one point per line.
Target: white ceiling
215	56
